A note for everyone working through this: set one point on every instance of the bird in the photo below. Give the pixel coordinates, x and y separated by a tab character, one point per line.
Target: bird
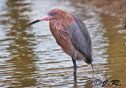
71	35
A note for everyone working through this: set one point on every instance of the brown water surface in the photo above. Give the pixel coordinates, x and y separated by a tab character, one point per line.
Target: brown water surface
30	57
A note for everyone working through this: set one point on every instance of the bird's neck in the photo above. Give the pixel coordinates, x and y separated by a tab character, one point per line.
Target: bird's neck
64	21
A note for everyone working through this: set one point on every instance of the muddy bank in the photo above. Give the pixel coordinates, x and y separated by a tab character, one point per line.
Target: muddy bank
116	7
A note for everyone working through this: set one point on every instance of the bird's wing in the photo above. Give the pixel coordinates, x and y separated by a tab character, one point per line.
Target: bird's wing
80	38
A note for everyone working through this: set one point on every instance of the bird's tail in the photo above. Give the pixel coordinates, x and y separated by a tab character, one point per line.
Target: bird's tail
92	68
89	61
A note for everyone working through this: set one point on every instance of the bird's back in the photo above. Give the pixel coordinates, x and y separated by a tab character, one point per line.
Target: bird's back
81	40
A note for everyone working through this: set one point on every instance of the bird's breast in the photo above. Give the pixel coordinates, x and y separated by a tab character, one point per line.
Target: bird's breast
62	37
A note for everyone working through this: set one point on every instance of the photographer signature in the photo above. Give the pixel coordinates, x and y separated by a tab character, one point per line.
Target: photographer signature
106	82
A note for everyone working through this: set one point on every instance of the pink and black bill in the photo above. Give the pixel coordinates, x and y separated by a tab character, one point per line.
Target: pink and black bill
45	18
34	22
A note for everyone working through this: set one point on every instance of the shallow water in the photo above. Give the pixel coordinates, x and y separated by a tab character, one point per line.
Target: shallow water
30	57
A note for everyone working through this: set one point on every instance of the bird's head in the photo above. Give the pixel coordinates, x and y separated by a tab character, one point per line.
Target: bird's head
55	14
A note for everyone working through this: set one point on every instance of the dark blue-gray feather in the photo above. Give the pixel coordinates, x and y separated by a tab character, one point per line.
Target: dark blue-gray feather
80	38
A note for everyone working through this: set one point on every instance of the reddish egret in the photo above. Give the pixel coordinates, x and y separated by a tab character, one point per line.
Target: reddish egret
71	34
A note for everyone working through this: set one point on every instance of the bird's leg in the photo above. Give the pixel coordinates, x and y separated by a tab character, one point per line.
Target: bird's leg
75	65
75	68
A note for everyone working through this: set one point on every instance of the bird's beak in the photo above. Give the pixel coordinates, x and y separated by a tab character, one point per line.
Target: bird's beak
45	18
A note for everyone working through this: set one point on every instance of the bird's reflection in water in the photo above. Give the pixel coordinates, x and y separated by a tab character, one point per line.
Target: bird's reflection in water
75	83
87	83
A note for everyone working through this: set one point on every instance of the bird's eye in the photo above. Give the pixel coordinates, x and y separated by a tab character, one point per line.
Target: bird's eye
51	14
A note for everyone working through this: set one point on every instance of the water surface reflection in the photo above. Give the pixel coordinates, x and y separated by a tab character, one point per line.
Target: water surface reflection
30	57
18	44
